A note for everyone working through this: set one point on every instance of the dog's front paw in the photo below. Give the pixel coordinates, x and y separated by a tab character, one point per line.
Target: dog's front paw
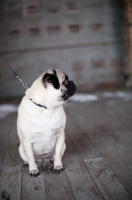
58	168
34	172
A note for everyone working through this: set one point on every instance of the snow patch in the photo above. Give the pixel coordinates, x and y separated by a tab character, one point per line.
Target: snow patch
6	109
126	96
84	98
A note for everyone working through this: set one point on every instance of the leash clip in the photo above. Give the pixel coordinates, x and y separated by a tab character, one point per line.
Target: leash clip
24	84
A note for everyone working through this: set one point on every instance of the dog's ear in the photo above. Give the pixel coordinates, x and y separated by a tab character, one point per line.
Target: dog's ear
51	78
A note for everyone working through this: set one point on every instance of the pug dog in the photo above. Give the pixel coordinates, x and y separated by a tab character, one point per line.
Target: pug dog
41	120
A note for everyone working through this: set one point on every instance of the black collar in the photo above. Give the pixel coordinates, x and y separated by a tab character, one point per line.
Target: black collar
39	105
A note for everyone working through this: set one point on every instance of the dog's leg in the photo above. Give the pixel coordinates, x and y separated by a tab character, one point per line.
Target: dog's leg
63	151
33	170
23	156
59	151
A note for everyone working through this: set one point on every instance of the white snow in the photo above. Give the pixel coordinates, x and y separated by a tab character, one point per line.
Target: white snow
6	109
84	97
126	96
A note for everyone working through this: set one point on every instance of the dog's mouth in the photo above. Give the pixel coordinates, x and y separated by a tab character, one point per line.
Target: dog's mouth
71	90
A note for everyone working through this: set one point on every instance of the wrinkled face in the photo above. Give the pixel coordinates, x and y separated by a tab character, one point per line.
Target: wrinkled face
59	84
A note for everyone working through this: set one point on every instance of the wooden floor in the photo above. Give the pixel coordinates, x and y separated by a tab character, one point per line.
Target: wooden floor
98	159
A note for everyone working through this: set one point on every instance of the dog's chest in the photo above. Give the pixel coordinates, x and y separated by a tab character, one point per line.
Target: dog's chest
46	126
45	133
48	122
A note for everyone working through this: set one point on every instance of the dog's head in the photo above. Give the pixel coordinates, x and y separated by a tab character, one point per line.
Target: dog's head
51	89
57	83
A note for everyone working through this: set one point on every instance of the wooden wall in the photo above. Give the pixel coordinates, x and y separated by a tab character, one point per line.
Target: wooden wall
127	36
81	37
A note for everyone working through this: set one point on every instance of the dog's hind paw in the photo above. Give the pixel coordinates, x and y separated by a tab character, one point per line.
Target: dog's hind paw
34	173
25	164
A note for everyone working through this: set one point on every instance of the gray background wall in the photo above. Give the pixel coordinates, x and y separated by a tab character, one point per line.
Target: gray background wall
82	37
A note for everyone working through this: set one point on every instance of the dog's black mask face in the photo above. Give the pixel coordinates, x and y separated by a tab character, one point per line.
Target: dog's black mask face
71	88
52	78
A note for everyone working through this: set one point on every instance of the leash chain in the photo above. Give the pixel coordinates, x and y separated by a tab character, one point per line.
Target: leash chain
24	84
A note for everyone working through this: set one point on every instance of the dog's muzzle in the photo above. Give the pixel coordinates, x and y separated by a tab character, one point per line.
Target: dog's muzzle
71	90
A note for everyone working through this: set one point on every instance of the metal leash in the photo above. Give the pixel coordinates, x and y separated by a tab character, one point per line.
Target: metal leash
24	84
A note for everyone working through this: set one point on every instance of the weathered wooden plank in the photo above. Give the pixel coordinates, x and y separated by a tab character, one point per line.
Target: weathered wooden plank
107	181
57	185
5	122
12	157
118	152
110	143
85	149
79	138
81	181
3	146
10	181
33	188
113	141
10	187
5	125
